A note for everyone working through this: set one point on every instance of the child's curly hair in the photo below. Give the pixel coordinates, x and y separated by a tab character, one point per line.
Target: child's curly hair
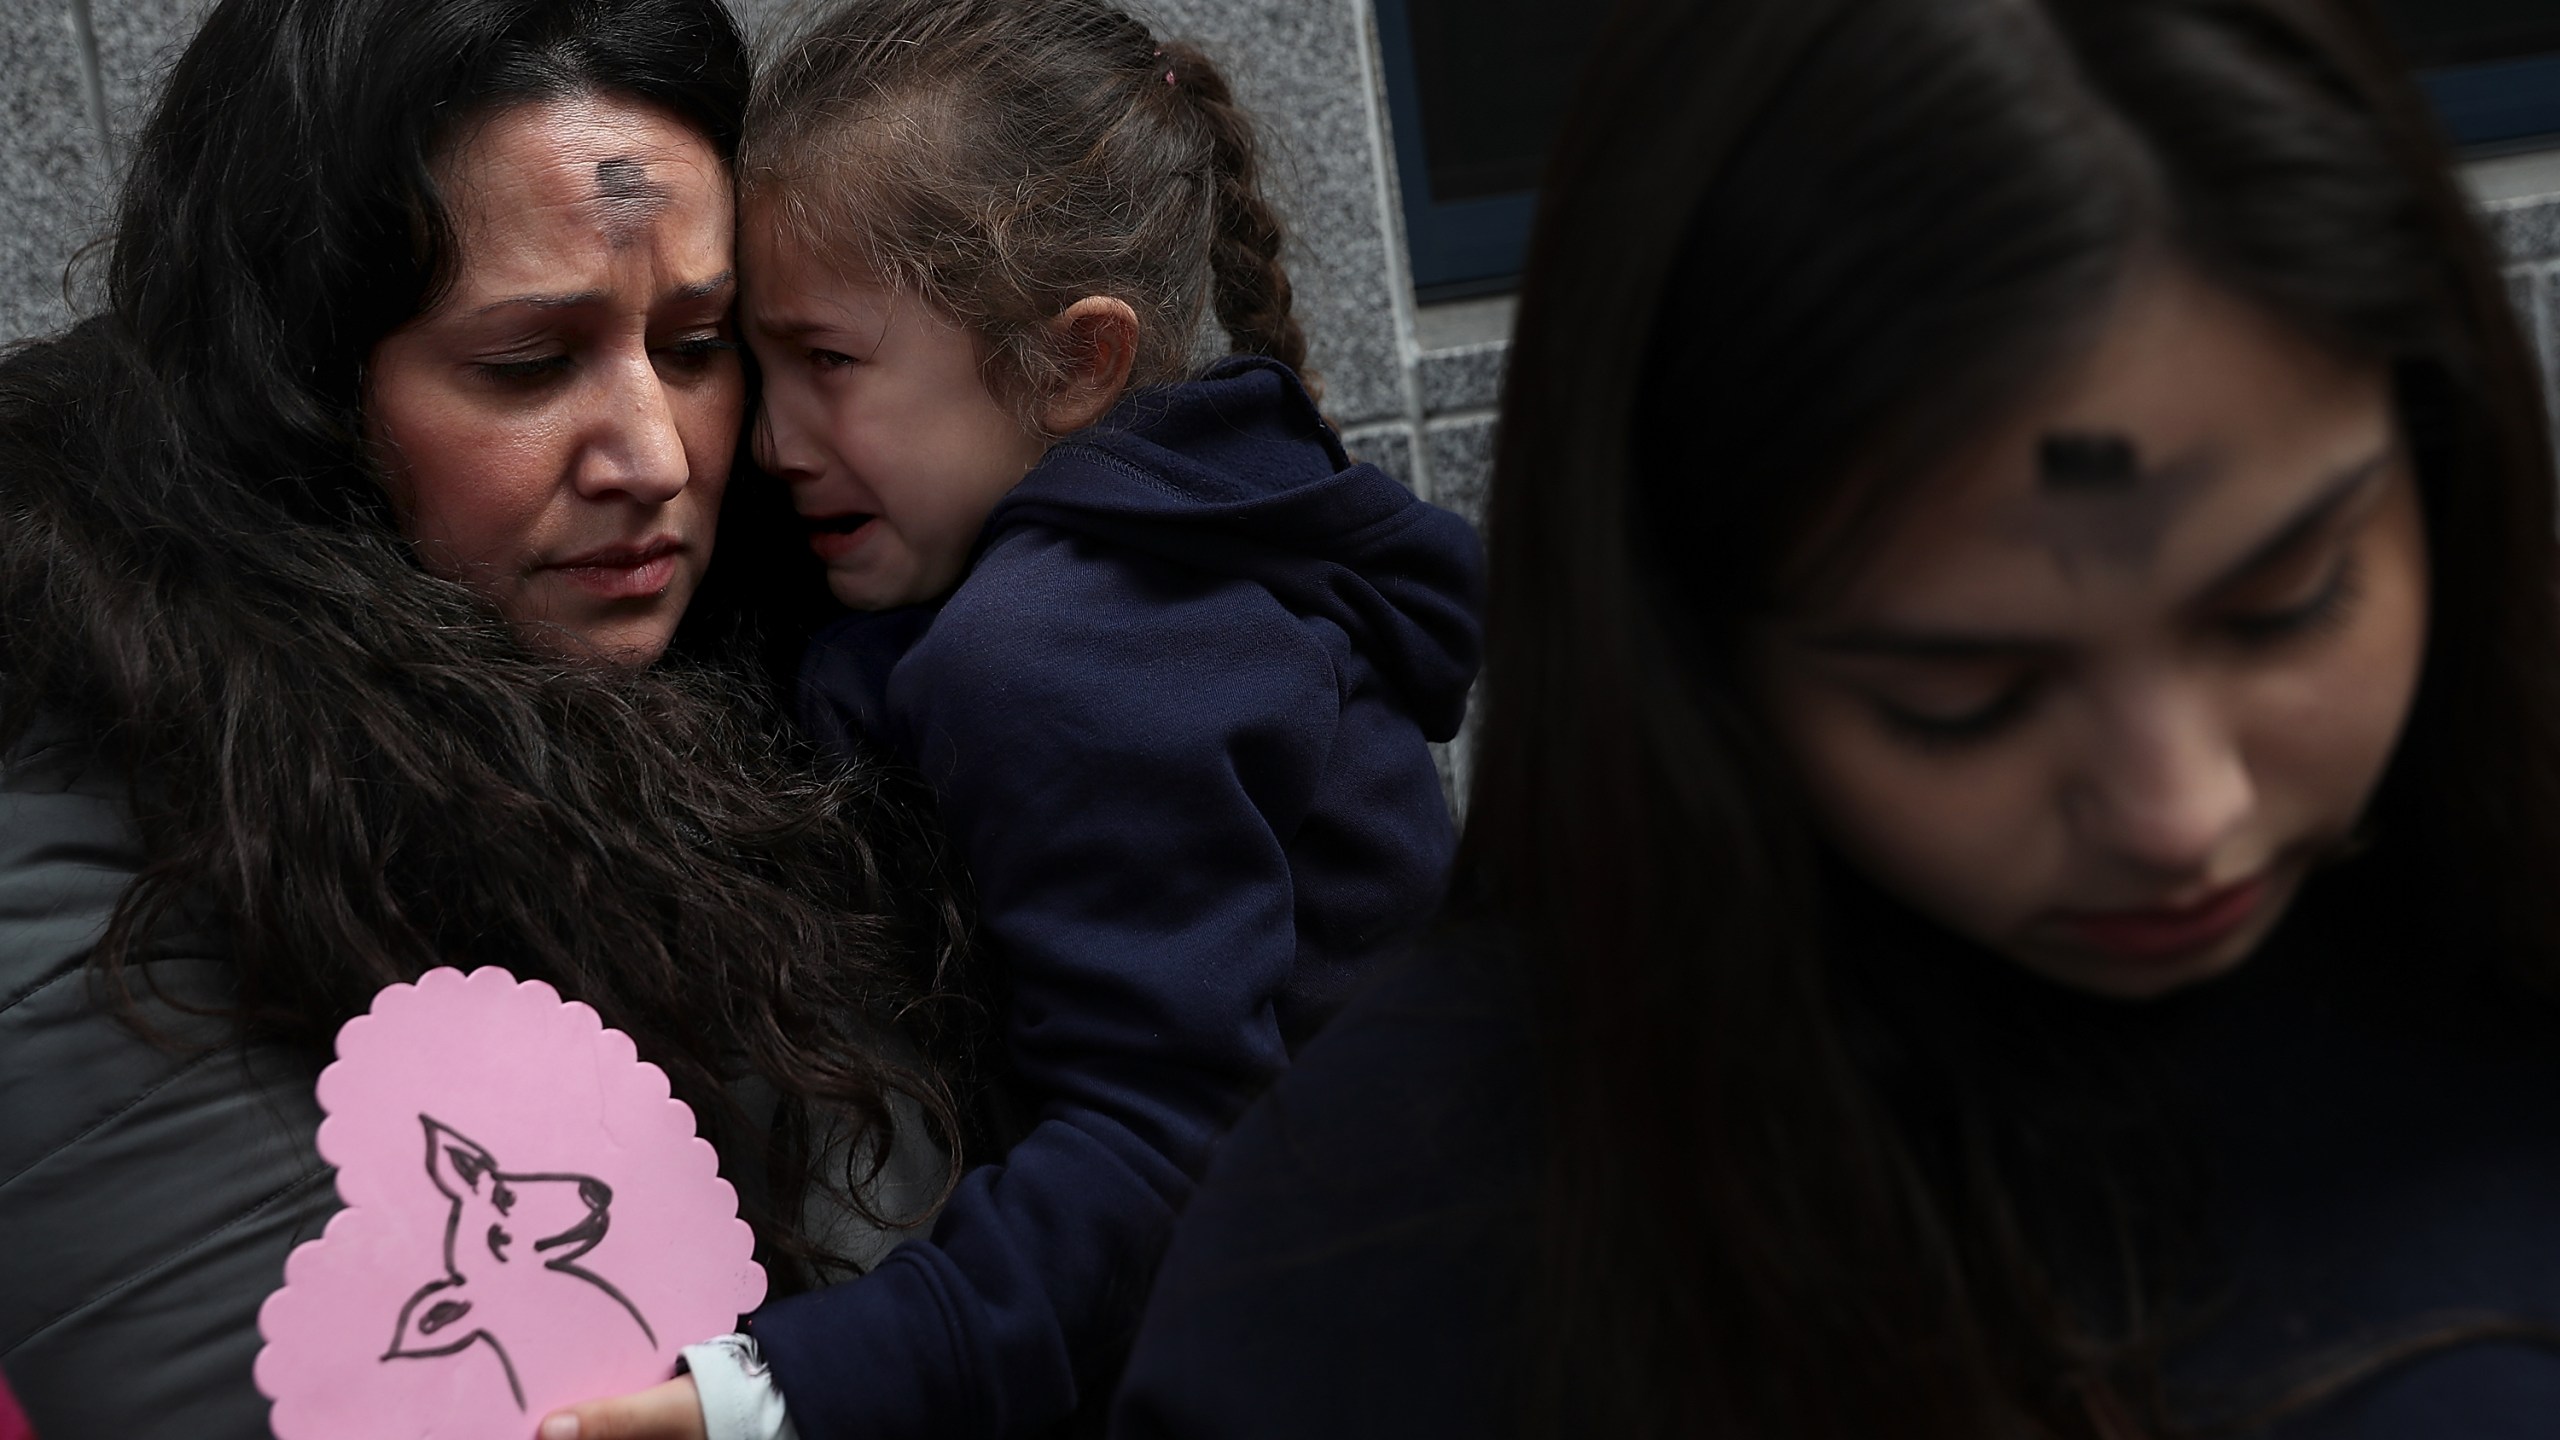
1002	159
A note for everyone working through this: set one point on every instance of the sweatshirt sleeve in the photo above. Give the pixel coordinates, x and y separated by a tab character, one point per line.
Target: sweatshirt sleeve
1122	754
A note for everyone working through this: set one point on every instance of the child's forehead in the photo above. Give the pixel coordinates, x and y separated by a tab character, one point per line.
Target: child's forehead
781	273
769	238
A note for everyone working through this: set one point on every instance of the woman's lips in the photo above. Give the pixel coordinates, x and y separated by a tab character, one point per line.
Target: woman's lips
623	572
2169	932
835	536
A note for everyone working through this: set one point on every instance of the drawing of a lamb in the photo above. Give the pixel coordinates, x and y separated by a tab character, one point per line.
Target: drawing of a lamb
511	1247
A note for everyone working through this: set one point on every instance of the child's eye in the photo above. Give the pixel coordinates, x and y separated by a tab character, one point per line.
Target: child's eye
829	359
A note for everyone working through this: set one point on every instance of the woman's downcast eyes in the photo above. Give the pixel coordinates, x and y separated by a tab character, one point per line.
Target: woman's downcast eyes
686	355
2298	618
1935	730
2325	609
526	370
697	352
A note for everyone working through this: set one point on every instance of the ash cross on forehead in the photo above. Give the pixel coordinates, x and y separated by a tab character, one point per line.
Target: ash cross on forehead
2087	462
626	199
2096	499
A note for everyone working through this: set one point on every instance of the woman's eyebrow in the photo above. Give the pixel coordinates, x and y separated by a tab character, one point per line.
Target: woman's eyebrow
2305	522
1880	642
1888	644
541	302
719	284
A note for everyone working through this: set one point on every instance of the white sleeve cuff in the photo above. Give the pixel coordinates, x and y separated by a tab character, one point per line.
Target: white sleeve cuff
739	1399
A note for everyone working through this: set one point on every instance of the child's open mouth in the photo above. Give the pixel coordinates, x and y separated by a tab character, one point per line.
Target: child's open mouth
834	536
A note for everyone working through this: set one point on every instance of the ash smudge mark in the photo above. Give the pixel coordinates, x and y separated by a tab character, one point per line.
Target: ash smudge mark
2095	500
626	198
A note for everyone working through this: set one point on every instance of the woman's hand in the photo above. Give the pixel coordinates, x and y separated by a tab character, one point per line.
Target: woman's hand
672	1411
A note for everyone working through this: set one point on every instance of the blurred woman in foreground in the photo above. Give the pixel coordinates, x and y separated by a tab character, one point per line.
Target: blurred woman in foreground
2006	888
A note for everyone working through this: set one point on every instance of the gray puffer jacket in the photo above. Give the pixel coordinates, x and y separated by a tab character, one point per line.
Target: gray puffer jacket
148	1195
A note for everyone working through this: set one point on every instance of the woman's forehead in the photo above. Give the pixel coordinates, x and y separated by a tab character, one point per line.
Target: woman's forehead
541	181
2193	428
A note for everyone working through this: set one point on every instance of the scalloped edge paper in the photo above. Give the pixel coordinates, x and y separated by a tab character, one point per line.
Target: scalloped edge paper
531	1220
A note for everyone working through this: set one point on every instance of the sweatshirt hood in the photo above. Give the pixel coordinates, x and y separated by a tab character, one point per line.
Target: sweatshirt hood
1237	473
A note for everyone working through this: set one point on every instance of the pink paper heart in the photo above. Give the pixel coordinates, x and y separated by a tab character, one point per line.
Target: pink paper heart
13	1421
530	1221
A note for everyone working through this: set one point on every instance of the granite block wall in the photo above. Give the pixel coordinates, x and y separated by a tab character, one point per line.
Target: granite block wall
81	74
1414	387
53	168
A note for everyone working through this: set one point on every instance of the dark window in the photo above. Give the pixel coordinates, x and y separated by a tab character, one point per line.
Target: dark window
1476	88
1475	91
2491	66
1494	77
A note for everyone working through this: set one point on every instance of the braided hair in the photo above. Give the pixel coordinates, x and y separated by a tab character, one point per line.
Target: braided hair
1251	287
1002	159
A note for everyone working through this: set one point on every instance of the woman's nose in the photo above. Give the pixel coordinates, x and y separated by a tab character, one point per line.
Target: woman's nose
635	449
2167	784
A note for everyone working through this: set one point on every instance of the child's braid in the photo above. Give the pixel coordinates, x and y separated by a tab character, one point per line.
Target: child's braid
1252	292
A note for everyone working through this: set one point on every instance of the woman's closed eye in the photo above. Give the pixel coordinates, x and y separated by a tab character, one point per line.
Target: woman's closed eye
524	370
1945	712
2307	584
1947	718
695	353
2330	601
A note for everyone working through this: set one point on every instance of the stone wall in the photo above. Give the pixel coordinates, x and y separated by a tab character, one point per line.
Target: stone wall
81	73
1414	386
2520	198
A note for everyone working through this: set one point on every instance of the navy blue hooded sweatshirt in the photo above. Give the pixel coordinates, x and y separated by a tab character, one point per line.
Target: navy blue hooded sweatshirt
1175	718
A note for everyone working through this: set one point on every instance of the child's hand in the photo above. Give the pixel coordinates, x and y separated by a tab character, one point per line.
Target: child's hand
672	1411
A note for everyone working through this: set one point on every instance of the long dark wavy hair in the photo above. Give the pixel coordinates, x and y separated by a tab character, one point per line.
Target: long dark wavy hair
1789	252
355	766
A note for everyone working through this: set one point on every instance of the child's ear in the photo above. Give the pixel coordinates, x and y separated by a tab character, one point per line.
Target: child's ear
1099	337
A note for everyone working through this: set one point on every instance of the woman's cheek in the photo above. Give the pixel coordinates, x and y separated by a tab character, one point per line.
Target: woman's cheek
2325	731
478	508
1955	834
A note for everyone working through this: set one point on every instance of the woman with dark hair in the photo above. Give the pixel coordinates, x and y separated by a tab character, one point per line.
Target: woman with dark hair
337	556
2006	885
